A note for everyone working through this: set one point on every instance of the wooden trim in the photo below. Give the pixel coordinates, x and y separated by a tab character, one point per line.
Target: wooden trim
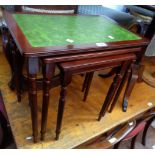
26	49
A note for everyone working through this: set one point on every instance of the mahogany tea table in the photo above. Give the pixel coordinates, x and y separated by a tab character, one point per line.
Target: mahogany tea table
39	36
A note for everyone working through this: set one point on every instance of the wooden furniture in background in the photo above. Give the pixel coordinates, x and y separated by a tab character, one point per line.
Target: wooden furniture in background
146	13
124	132
147	74
6	137
142	123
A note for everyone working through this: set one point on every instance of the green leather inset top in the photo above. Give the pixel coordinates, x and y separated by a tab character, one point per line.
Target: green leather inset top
59	30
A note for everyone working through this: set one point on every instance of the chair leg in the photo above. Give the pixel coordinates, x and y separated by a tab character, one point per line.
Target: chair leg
145	130
90	77
130	85
125	77
133	141
48	72
113	88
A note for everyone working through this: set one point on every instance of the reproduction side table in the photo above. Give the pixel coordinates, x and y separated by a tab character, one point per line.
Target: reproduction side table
40	35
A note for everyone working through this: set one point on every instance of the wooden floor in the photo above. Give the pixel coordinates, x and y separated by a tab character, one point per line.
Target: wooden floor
80	118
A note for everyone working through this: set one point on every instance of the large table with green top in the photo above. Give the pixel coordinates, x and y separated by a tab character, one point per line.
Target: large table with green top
66	38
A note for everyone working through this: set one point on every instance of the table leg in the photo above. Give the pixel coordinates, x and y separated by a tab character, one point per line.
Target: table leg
85	82
125	77
113	88
88	83
140	73
17	66
66	79
9	55
32	70
48	73
131	82
6	47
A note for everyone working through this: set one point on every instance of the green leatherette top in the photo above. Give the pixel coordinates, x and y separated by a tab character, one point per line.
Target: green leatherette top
59	30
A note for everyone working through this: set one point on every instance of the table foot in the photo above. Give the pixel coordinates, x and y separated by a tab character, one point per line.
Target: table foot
35	139
57	136
11	84
42	137
125	105
130	85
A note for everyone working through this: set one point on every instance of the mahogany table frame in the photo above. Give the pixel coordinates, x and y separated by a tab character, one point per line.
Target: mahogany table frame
34	54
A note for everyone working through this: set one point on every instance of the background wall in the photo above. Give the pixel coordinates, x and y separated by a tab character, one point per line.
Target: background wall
115	7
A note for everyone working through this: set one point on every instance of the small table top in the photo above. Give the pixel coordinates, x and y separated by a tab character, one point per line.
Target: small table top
59	30
42	34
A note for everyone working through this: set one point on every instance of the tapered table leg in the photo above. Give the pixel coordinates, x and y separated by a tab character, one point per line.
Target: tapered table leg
32	70
85	82
131	82
88	84
17	64
65	81
125	77
60	110
113	88
48	73
7	50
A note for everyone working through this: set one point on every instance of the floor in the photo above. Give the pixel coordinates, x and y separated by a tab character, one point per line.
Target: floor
124	145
